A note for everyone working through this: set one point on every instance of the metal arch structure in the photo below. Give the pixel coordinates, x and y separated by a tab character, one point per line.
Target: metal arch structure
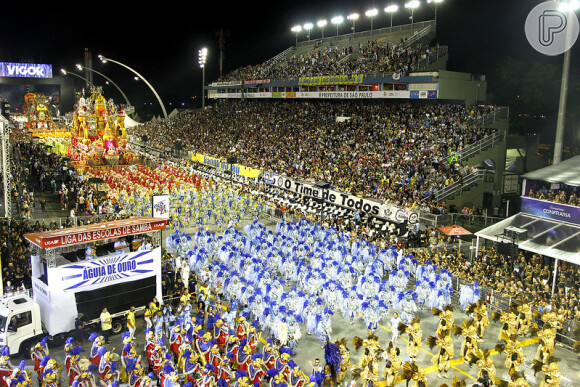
110	80
105	59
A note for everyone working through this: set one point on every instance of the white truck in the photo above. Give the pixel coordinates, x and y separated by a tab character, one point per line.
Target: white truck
83	270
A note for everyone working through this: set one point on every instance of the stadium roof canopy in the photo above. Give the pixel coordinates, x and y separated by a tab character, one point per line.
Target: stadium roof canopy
565	172
545	236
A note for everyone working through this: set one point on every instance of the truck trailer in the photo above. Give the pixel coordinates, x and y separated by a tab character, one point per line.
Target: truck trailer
113	265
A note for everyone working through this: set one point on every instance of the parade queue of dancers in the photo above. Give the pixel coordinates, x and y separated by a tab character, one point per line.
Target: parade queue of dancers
277	284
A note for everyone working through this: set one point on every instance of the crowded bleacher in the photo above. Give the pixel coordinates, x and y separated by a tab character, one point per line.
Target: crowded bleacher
391	151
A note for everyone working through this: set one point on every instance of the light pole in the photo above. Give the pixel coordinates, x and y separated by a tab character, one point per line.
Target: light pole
568	7
202	60
296	30
435	2
412	5
80	67
65	73
391	9
353	17
308	27
371	13
321	24
105	60
337	20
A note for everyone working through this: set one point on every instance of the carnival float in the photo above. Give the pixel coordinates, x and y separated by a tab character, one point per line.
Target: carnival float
96	135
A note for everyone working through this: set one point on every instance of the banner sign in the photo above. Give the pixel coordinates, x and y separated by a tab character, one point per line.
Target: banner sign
375	208
160	205
422	94
112	268
95	232
352	79
25	70
381	94
236	169
256	81
555	211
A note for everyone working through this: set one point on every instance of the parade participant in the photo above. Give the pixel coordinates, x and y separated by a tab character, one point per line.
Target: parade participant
5	367
175	339
395	321
131	321
411	372
470	343
257	369
51	373
367	367
74	368
485	364
39	351
296	377
393	364
415	337
191	364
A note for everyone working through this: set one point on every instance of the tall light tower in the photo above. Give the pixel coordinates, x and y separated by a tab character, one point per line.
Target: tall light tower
353	17
391	9
435	3
337	20
569	8
105	60
308	27
321	24
296	30
412	5
371	13
202	59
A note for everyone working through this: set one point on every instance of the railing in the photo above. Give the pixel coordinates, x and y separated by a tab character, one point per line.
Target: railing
369	34
457	187
477	147
469	221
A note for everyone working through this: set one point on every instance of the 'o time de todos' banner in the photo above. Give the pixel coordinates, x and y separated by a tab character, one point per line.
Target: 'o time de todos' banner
393	213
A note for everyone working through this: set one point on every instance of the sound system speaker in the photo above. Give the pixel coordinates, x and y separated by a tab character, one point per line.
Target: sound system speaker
323	185
232	160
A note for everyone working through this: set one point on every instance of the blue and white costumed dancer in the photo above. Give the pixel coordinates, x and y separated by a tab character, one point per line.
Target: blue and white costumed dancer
469	294
373	310
407	306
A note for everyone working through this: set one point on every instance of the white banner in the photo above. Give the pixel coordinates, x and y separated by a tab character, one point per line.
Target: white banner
382	94
160	206
391	212
109	270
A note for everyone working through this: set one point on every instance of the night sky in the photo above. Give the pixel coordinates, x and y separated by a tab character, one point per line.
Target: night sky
162	42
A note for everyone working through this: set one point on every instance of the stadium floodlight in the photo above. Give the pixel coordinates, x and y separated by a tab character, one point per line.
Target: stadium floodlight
337	20
571	5
435	2
105	60
296	30
353	17
371	13
308	27
202	59
412	5
391	9
65	73
322	23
